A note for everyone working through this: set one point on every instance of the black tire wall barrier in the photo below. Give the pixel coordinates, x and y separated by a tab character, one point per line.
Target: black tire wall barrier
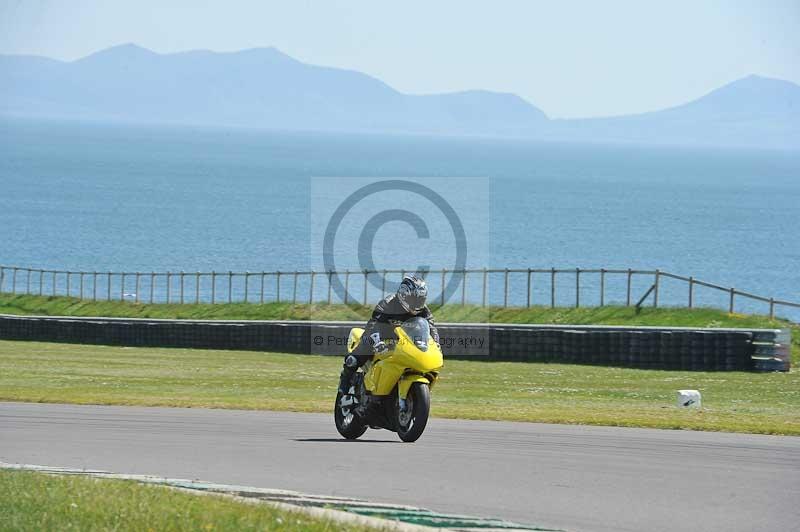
636	347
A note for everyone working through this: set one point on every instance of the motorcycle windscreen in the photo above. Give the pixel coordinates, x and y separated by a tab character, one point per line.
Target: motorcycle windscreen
418	330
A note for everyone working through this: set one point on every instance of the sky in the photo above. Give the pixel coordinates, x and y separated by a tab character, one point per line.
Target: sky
571	59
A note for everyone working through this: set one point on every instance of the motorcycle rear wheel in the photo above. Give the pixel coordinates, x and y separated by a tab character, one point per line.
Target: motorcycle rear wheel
420	398
349	426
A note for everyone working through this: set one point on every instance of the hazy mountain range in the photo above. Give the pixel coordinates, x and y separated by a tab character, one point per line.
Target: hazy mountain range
266	88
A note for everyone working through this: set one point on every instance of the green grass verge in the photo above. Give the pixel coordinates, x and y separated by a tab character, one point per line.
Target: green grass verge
553	393
42	502
610	315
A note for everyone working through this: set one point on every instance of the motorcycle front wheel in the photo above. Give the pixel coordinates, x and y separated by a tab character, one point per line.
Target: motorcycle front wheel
347	421
411	421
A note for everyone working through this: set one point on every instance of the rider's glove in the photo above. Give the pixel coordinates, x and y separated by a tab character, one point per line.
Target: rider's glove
378	345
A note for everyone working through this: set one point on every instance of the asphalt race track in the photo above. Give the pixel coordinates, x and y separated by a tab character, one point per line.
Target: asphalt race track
569	477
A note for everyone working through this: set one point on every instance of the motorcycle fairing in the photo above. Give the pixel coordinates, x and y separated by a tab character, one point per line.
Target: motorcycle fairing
403	365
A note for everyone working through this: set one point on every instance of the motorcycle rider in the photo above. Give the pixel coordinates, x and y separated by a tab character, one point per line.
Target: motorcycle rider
408	302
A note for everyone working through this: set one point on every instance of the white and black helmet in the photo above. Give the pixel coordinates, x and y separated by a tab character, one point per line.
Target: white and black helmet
412	293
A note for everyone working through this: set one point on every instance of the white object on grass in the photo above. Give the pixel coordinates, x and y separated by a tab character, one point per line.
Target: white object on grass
689	399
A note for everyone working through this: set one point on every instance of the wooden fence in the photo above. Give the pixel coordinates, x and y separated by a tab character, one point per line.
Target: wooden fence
472	286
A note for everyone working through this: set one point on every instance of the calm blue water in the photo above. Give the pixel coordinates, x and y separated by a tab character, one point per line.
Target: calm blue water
99	197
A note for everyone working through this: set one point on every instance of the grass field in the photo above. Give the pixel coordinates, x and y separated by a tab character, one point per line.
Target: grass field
39	502
745	402
555	393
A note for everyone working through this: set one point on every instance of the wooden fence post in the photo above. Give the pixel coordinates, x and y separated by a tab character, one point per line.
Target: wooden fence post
261	297
2	277
169	286
771	308
505	289
655	291
577	287
366	275
197	287
691	292
152	286
136	295
383	284
552	288
444	273
730	307
278	286
14	282
602	287
529	288
213	287
230	286
94	286
311	288
346	285
122	288
246	285
463	287
483	300
181	278
41	282
628	297
68	276
294	289
28	282
330	286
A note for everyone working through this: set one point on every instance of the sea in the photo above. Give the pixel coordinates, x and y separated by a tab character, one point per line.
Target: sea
121	197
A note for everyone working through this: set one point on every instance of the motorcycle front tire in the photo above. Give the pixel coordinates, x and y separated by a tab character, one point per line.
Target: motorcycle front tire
421	396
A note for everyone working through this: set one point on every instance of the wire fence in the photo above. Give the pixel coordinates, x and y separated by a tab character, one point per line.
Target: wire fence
527	287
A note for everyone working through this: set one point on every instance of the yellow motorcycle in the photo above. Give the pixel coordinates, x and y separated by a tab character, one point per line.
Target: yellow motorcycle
392	391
